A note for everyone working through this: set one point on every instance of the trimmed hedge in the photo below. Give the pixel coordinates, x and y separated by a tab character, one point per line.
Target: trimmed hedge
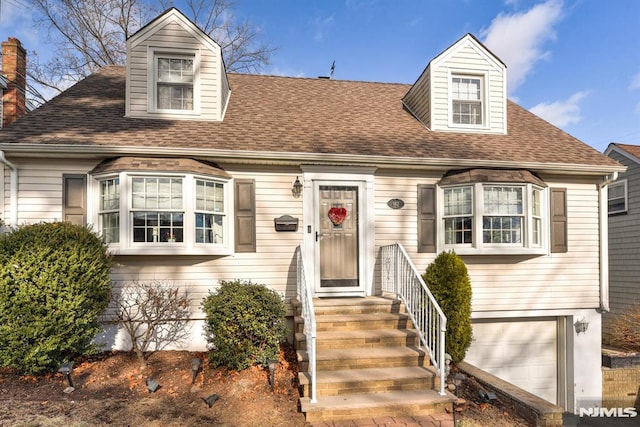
448	279
54	284
245	324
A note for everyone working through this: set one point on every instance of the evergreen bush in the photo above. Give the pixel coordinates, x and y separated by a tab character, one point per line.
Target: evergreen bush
245	324
448	279
54	284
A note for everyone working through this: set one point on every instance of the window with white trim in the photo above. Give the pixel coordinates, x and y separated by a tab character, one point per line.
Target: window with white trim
109	210
174	82
466	100
165	212
495	218
617	197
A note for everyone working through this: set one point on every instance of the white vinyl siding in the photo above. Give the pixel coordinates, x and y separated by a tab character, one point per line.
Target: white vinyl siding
466	60
418	99
211	89
503	283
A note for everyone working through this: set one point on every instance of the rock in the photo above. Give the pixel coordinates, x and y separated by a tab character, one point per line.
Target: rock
69	390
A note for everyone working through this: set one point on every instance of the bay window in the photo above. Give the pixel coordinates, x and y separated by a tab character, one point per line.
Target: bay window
164	213
493	218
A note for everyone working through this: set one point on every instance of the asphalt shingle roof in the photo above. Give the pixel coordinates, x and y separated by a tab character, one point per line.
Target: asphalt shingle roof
293	115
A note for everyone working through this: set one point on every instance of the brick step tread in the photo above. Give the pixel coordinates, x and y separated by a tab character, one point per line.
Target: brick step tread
360	354
355	334
359	317
369	375
410	399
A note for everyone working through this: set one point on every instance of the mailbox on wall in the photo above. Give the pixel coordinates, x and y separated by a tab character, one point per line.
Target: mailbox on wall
286	223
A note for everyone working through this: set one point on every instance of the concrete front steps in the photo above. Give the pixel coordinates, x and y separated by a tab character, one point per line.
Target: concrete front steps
368	363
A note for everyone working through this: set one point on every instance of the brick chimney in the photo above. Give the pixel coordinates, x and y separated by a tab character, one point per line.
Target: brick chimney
14	67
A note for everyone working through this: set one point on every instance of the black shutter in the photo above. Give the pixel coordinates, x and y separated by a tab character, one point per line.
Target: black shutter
559	220
426	218
245	215
74	199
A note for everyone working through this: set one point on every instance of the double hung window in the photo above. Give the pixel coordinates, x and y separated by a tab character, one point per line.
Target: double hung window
617	197
492	217
160	212
466	100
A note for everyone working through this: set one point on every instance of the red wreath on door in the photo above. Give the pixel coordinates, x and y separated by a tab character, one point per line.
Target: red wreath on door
337	215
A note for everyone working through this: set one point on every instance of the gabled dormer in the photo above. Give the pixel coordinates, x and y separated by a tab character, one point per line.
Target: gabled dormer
175	71
464	89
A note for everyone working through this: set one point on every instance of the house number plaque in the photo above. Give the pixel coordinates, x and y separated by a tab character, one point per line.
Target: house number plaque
395	203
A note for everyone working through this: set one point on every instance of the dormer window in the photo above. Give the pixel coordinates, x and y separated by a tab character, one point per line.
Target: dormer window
466	100
174	83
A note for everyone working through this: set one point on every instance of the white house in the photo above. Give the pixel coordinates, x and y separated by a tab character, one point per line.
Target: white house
191	173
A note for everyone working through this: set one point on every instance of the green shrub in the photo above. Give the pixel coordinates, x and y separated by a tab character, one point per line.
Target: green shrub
448	280
245	324
54	283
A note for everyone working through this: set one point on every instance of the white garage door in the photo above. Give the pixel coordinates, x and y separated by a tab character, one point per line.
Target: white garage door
523	353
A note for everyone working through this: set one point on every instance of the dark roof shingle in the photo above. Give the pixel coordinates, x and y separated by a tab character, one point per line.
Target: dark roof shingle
293	115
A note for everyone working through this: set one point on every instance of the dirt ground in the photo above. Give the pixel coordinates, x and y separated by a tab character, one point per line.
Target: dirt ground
110	390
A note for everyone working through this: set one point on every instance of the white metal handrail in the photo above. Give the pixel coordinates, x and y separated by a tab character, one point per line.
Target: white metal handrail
400	277
309	317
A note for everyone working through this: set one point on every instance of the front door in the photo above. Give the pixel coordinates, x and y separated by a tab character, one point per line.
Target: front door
338	239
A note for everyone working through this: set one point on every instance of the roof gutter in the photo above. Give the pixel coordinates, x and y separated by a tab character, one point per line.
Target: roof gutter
604	241
13	206
297	158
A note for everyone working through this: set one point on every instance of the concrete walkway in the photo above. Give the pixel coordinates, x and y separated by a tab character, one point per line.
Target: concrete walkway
435	420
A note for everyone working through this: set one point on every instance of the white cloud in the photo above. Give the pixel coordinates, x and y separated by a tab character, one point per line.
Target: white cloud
321	25
635	82
561	113
518	38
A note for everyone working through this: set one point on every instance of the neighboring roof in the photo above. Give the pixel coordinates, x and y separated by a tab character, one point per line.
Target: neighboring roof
164	164
632	152
297	117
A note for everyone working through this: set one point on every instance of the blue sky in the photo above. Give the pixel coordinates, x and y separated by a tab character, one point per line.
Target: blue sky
576	63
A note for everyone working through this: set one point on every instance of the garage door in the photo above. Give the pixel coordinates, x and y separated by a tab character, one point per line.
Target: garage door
523	353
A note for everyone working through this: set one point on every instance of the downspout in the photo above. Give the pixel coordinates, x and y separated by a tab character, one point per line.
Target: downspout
13	205
604	242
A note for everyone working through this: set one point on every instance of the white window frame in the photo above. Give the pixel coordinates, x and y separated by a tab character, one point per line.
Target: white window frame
484	98
189	246
152	80
477	246
620	183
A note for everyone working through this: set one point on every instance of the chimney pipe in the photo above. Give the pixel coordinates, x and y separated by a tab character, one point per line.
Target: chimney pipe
14	67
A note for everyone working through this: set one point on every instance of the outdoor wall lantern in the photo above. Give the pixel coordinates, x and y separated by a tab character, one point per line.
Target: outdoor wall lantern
66	369
152	385
196	364
296	189
581	325
272	363
211	399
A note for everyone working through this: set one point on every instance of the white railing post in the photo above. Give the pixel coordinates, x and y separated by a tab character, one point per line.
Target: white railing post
308	315
425	313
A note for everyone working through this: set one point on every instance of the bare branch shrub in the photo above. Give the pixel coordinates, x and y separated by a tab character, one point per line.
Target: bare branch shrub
154	315
626	328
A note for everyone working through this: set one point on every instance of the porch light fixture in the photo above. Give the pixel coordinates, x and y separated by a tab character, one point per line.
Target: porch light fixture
210	400
196	364
272	363
152	385
581	325
66	369
296	189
